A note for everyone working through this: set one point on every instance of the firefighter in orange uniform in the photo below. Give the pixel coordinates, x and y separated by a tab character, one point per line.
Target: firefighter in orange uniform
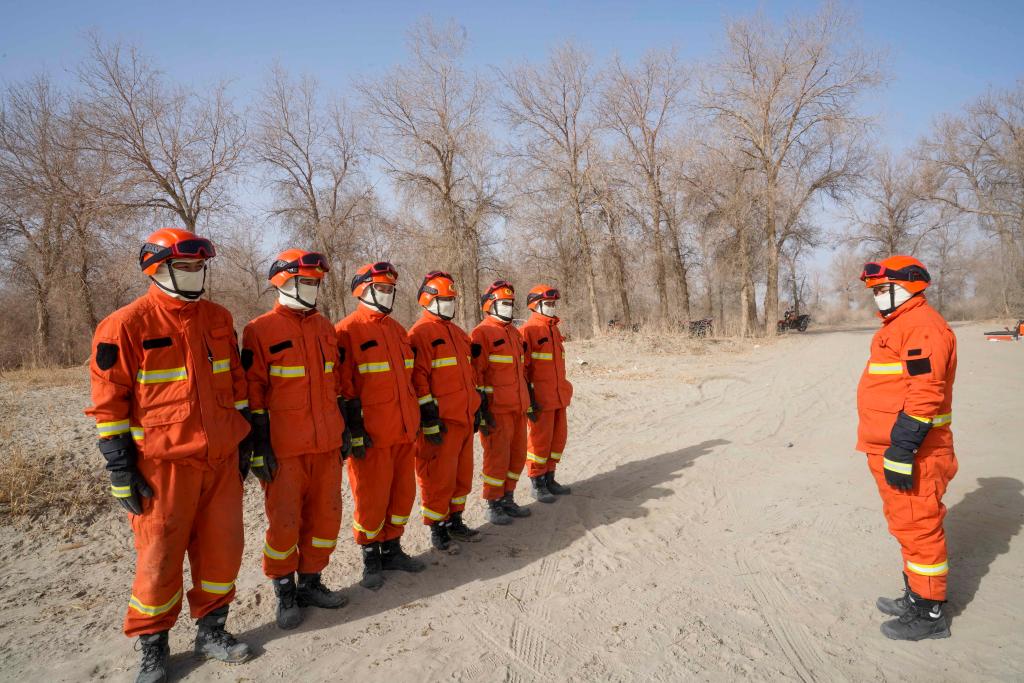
501	368
546	375
170	406
450	407
905	400
289	355
384	420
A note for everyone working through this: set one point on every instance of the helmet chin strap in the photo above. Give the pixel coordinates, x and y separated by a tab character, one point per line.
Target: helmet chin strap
295	296
435	307
502	318
175	291
373	303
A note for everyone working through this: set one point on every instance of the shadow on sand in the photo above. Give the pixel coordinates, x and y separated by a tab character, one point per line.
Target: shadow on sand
621	492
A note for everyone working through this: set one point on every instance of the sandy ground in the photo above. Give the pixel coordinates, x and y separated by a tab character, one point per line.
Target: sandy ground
721	527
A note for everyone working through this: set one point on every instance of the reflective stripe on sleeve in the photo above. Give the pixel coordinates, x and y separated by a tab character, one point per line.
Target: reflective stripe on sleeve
495	358
161	376
424	400
329	367
486	390
539	355
940	569
138	433
409	363
112	428
444	362
287	370
240	405
885	368
367	368
277	554
221	365
898	467
153	610
216	587
943	420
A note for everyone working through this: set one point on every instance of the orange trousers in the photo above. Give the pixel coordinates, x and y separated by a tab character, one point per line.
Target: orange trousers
193	511
303	506
546	441
445	473
915	520
504	454
383	490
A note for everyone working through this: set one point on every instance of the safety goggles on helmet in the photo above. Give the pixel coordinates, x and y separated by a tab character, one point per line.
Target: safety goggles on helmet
874	271
546	294
308	260
426	288
199	247
379	268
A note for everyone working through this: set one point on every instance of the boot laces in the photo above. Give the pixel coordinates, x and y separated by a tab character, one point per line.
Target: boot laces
220	636
152	654
315	585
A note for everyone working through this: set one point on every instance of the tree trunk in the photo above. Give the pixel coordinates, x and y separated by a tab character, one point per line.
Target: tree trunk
659	262
679	269
43	333
771	293
619	266
588	271
746	286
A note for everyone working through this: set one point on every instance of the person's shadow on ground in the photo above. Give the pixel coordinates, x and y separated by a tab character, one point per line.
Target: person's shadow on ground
978	530
620	493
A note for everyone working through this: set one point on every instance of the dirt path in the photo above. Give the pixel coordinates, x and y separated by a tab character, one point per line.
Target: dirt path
721	526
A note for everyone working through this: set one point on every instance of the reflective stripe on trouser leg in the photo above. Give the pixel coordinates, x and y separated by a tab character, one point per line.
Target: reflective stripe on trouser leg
402	492
218	538
915	520
559	437
282	500
321	512
517	451
436	467
497	448
463	471
538	443
370	481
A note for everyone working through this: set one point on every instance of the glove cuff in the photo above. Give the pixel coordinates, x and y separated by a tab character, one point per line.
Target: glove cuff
909	433
120	452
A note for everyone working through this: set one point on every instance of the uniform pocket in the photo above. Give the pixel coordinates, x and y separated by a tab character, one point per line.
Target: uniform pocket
221	350
376	374
289	376
162	381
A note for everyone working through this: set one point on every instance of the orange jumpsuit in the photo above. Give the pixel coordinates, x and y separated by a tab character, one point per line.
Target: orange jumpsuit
546	374
290	358
171	376
501	368
376	367
912	369
444	373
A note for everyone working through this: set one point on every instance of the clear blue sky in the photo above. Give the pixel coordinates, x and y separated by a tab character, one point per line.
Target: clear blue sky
942	54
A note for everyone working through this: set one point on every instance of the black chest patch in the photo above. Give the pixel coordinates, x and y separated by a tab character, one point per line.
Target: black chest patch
368	344
157	343
280	346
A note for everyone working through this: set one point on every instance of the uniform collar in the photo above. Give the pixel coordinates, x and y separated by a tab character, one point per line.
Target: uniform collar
911	303
292	313
491	320
168	302
434	318
543	319
366	313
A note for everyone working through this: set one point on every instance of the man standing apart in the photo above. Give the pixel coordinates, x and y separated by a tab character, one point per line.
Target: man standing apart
450	405
289	355
905	400
501	368
384	418
546	375
169	395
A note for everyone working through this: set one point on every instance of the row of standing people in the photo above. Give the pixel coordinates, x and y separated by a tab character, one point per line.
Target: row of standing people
183	416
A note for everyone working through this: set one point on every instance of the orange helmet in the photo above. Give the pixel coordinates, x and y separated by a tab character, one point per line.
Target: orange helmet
905	271
437	283
499	290
382	272
171	243
297	263
541	293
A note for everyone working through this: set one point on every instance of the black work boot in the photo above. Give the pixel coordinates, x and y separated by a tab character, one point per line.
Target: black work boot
924	619
554	487
312	592
288	613
393	558
496	513
155	651
896	607
213	642
373	577
540	489
513	510
442	540
458	530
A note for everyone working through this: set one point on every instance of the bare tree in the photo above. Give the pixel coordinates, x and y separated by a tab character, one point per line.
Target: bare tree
786	95
431	138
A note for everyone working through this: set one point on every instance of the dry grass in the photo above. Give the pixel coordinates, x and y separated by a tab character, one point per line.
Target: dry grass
31	487
45	378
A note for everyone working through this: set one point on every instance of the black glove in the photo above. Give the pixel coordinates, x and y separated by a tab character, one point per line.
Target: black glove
245	446
354	419
264	463
906	438
431	423
126	484
346	434
533	412
484	420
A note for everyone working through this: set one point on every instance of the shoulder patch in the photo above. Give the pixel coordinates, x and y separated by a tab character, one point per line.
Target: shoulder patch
280	346
437	342
476	350
368	344
106	355
919	366
157	343
247	358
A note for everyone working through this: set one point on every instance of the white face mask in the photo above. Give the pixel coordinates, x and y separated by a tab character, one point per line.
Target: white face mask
444	309
502	310
378	301
887	303
547	308
181	284
298	296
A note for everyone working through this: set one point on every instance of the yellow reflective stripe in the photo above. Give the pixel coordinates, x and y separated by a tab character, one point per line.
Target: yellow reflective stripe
374	367
536	458
259	411
939	569
287	370
444	362
409	363
121	491
885	368
244	403
435	429
556	456
276	554
495	358
138	433
430	514
160	376
461	500
221	365
329	366
112	428
486	390
324	542
539	355
369	534
399	519
943	420
492	481
257	461
424	400
357	441
154	610
512	475
899	467
216	587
